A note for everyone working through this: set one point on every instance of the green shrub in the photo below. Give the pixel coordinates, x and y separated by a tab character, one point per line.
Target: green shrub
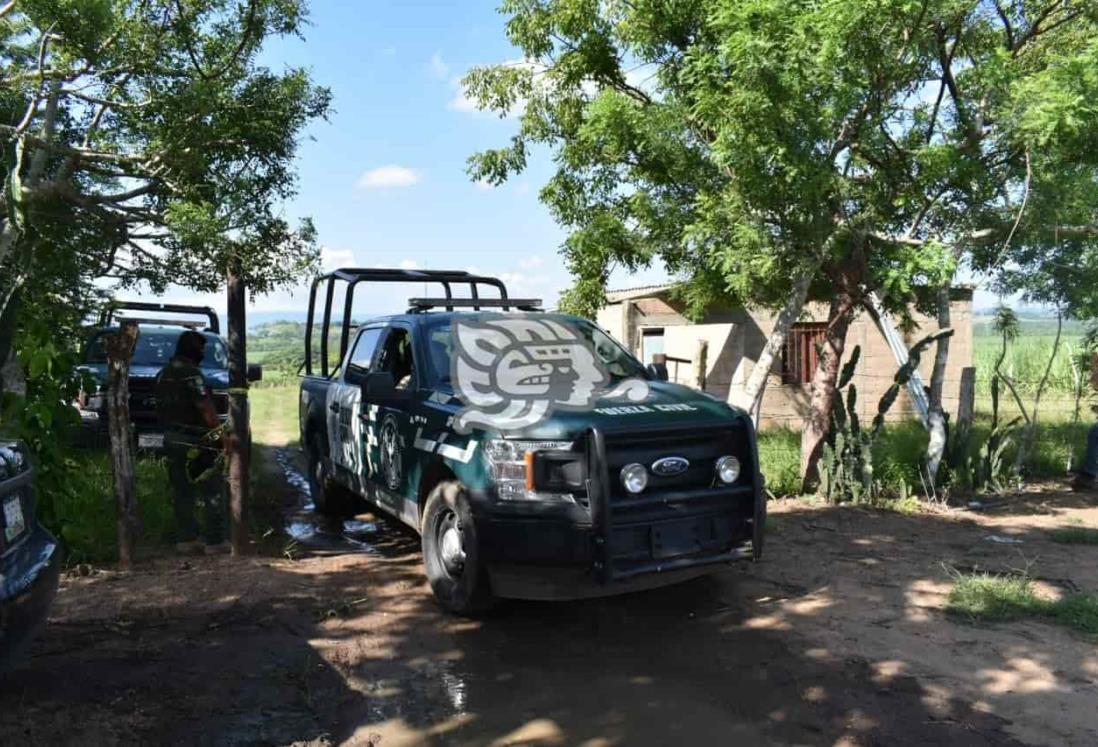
899	453
780	460
77	504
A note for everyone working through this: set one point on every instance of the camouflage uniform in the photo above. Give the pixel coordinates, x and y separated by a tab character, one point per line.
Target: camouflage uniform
180	391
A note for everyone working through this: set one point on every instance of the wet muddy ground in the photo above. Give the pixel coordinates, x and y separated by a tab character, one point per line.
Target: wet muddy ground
837	637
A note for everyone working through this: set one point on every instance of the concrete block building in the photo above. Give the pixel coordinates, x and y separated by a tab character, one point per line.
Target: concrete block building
649	322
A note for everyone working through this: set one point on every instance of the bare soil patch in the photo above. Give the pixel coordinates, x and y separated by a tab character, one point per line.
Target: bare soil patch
838	636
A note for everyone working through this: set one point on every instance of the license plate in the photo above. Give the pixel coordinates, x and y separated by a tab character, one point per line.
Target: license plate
13	518
150	440
678	538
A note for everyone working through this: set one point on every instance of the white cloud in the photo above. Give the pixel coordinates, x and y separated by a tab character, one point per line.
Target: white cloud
409	264
439	68
461	102
531	263
332	259
484	184
386	177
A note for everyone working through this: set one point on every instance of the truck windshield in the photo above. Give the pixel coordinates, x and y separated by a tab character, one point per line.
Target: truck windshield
155	348
617	360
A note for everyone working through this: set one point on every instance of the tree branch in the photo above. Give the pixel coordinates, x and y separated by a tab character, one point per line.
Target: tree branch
1008	27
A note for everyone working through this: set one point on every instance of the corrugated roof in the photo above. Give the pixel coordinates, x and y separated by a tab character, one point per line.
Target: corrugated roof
623	294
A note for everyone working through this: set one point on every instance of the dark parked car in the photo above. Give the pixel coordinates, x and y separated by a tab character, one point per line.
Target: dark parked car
155	347
29	557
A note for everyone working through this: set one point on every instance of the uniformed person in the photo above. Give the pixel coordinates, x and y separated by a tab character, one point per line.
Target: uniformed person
187	415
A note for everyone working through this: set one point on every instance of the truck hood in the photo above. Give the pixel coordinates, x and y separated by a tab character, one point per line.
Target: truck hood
667	404
215	378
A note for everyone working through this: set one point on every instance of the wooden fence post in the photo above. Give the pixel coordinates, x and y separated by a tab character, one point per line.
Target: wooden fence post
701	364
240	438
119	354
967	402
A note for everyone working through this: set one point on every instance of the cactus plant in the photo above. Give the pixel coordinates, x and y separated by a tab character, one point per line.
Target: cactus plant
847	472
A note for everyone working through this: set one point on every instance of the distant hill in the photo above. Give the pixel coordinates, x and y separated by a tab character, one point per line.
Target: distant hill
1031	324
279	346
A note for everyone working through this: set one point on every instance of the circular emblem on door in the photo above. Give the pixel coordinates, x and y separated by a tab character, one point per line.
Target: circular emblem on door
389	443
670	466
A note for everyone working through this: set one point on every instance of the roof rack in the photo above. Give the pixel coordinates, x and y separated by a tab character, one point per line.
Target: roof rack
213	325
522	304
355	275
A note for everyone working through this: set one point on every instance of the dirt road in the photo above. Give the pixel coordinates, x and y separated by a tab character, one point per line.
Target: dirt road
838	636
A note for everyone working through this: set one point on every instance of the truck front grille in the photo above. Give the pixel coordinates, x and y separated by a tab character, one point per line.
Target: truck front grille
677	519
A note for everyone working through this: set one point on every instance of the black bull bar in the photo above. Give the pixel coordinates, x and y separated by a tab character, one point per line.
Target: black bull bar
600	501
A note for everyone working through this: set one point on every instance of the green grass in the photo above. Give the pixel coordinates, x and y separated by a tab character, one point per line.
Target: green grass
77	505
274	415
780	460
1075	535
901	449
986	597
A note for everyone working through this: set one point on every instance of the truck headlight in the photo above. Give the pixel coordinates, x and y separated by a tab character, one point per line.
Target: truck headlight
728	469
511	466
634	478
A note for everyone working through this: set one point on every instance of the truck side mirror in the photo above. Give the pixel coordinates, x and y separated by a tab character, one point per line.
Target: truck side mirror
255	372
355	376
379	387
658	371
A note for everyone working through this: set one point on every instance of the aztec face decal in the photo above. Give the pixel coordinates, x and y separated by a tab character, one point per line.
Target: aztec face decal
513	372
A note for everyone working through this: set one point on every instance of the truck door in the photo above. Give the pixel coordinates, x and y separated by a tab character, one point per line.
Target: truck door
345	432
388	424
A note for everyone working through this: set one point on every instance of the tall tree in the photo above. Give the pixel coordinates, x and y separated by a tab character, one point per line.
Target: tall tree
148	133
772	151
145	142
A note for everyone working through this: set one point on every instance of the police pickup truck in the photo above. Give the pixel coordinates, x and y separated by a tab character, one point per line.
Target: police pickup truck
160	326
535	456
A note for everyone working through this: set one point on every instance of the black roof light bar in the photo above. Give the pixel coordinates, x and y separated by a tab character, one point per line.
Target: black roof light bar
212	322
522	304
355	275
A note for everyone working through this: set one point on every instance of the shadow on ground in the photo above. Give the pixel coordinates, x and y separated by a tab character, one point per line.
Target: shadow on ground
836	635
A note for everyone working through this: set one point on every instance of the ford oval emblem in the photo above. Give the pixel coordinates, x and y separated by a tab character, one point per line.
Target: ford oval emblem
670	466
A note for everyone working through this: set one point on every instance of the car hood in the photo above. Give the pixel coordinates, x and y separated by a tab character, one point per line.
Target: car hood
215	378
667	405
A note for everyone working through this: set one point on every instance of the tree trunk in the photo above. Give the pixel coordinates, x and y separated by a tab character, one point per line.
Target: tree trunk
756	383
938	434
12	377
239	441
824	381
119	354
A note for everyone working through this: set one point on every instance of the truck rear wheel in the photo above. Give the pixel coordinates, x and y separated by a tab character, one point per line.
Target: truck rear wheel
329	497
451	553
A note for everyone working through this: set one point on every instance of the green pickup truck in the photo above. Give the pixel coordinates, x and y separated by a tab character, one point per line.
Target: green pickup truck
536	457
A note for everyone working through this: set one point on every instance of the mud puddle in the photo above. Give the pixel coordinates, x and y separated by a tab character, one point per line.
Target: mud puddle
315	532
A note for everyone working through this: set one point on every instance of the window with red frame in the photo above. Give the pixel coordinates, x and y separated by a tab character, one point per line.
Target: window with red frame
801	352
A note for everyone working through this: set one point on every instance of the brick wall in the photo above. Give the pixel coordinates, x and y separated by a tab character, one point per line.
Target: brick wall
736	339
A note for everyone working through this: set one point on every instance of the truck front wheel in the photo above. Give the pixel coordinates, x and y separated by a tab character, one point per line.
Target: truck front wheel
451	553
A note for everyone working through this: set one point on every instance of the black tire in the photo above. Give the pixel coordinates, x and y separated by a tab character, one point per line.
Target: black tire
461	586
329	497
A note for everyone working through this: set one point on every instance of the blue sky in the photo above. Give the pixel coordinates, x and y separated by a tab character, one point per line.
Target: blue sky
384	179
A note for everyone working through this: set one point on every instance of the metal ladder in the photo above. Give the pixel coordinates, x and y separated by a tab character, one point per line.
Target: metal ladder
915	386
